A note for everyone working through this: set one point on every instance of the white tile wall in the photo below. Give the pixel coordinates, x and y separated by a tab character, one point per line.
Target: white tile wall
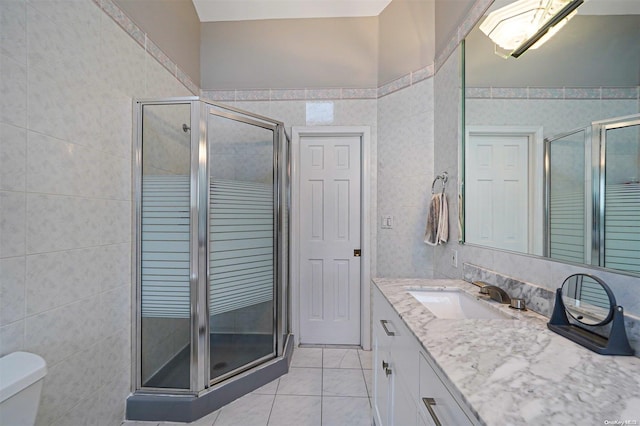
68	74
405	173
13	159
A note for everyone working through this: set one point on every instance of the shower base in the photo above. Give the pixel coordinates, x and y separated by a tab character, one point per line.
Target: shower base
171	407
228	352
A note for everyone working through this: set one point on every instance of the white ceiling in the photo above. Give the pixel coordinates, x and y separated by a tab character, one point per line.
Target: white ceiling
242	10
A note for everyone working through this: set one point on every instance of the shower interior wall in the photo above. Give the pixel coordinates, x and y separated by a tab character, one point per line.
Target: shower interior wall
68	77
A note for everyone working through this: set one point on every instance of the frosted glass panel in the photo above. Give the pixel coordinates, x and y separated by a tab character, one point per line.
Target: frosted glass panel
567	198
241	250
622	199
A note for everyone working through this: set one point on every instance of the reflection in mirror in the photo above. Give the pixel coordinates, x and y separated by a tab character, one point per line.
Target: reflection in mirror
557	204
621	208
586	300
567	217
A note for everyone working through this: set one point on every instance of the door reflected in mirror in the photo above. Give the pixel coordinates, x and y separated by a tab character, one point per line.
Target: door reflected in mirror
576	196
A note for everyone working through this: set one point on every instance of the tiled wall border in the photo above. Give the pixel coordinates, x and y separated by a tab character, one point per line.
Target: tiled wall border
553	93
288	94
145	42
539	299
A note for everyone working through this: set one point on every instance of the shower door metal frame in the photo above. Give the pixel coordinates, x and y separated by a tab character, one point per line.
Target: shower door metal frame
599	130
238	115
195	141
200	379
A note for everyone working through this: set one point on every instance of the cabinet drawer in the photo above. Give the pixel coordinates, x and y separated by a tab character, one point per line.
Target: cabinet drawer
402	342
436	403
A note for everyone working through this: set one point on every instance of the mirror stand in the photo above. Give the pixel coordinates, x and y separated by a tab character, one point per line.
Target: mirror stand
616	344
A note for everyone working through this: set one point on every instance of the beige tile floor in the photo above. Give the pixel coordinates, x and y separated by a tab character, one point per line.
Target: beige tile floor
324	387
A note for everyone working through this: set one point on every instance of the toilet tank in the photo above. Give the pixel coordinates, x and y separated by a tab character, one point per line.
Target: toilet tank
21	377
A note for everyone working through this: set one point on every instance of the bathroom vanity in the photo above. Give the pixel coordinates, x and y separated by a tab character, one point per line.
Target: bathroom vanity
509	369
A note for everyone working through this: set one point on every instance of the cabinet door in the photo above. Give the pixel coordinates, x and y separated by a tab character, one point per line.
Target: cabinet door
436	403
383	388
383	381
404	408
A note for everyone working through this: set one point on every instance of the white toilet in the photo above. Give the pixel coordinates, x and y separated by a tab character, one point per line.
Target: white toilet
21	377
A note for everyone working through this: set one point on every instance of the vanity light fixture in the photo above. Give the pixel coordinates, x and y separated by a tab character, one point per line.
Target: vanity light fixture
527	24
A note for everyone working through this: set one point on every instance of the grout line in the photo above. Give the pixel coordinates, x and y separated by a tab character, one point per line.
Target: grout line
273	402
27	64
322	387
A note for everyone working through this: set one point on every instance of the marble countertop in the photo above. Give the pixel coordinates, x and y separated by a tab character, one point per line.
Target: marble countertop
518	372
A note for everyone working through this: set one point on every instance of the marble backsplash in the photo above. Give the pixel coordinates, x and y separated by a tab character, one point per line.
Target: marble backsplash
540	299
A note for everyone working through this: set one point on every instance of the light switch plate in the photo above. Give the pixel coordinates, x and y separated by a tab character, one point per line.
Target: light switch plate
387	222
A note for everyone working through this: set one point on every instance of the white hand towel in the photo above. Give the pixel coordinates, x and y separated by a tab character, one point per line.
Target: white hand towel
437	230
443	220
431	231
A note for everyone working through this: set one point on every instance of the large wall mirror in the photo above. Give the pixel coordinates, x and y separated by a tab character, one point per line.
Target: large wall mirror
551	144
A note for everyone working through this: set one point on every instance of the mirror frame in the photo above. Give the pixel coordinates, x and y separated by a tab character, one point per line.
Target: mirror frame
612	300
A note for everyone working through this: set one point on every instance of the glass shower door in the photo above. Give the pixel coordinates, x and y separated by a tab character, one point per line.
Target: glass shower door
620	196
164	241
567	197
242	270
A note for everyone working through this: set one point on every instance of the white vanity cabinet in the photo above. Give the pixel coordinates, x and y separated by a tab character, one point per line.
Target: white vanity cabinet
394	357
407	389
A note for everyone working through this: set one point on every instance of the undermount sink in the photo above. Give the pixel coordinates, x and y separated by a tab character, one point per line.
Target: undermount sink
456	304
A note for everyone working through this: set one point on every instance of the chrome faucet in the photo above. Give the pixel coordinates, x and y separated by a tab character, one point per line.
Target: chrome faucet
494	292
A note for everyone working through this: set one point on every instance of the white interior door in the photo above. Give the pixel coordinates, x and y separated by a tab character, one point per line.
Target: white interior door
329	212
497	191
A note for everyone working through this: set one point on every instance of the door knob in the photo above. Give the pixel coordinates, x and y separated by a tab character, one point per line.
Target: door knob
356	252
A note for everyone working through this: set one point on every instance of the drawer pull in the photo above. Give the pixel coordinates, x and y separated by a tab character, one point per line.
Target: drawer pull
429	403
385	368
386	330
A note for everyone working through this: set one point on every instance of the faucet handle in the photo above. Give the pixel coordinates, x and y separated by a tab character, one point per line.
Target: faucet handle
483	286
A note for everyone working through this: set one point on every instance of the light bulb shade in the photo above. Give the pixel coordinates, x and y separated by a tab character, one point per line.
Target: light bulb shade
527	23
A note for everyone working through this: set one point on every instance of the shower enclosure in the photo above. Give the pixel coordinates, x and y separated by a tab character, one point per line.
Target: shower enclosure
210	257
593	194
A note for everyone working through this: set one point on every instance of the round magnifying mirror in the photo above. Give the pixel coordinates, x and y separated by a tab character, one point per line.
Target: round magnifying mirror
588	299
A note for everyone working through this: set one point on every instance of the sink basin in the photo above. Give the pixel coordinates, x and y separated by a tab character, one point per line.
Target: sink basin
456	304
